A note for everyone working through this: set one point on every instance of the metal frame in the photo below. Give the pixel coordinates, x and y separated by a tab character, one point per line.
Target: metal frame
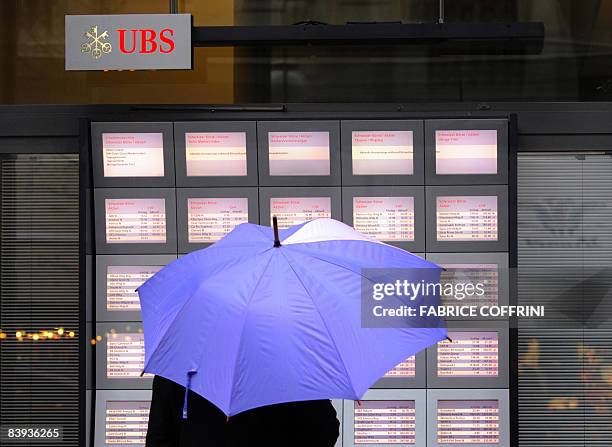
103	396
534	127
102	381
501	381
433	178
135	193
433	245
503	272
102	263
526	37
433	396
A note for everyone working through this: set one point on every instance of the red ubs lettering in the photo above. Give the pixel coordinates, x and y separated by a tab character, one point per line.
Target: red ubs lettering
146	41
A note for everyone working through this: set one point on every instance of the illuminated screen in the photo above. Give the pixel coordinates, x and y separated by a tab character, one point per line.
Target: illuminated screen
215	153
295	210
135	221
466	152
382	152
468	422
469	218
471	354
211	219
133	154
122	282
385	422
124	355
299	153
384	218
485	274
126	423
405	369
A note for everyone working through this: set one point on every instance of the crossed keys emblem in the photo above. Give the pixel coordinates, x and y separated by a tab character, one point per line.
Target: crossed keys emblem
96	44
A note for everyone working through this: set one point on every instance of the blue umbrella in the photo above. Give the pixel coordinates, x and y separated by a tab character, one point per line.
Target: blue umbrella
256	320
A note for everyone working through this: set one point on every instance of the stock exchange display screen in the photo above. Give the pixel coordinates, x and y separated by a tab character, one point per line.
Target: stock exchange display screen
405	369
133	154
485	274
299	153
385	422
382	152
466	218
466	152
295	210
468	422
124	355
384	218
470	354
126	423
122	282
135	221
215	154
209	219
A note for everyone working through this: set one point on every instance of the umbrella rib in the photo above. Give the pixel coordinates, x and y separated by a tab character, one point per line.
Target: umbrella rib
188	300
323	320
337	265
248	305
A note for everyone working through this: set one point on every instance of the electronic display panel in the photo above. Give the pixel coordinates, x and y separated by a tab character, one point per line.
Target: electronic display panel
135	221
476	356
205	215
132	154
216	153
121	418
411	373
386	418
382	152
490	270
293	206
299	153
391	214
467	218
120	356
117	278
478	417
459	152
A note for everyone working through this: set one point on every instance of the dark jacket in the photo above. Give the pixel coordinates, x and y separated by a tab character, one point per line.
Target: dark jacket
205	422
310	423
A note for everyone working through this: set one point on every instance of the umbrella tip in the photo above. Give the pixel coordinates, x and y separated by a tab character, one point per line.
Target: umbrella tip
275	225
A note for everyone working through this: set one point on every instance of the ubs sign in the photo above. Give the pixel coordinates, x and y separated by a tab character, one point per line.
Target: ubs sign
128	42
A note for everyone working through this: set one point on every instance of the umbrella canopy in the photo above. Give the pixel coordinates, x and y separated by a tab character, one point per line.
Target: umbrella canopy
245	324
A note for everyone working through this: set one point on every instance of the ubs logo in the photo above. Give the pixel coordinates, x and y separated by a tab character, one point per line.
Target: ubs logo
141	41
95	43
146	41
